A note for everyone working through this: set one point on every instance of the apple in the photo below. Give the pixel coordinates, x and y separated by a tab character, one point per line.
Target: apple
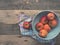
43	33
44	20
26	25
53	23
50	16
47	27
39	26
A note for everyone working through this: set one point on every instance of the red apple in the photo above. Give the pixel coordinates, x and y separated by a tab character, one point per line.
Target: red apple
39	26
44	20
43	33
26	25
47	27
50	16
53	23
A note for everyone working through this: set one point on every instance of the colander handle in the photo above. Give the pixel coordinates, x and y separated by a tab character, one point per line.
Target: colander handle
59	22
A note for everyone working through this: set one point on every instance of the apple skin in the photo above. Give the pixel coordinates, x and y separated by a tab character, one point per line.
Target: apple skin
47	27
50	16
26	25
43	33
44	20
39	26
53	23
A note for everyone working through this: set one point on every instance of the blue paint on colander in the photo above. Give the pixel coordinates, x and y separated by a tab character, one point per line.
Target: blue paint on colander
54	32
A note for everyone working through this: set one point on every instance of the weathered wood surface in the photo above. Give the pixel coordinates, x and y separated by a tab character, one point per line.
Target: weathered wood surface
9	31
30	4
